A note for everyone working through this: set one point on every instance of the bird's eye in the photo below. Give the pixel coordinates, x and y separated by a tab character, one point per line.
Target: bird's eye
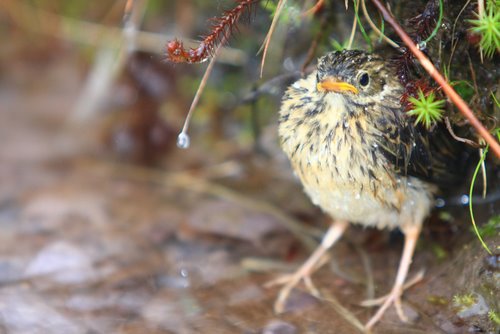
364	79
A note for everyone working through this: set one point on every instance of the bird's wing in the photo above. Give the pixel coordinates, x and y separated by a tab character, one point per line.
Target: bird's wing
411	150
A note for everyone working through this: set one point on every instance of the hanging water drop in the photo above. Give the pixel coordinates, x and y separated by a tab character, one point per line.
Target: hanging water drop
183	140
464	199
440	203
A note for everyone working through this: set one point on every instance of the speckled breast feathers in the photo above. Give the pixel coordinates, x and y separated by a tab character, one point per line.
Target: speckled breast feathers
338	126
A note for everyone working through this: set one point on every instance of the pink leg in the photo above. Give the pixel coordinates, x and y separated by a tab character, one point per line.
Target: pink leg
303	273
411	236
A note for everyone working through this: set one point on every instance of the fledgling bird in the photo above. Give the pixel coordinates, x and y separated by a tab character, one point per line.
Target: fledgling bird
360	157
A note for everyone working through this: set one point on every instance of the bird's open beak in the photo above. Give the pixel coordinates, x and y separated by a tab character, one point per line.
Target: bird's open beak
331	85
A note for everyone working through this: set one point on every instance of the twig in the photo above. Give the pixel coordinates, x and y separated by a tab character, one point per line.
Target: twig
314	9
343	312
183	138
429	67
132	17
369	282
221	30
457	138
374	27
354	25
267	40
480	13
473	75
454	41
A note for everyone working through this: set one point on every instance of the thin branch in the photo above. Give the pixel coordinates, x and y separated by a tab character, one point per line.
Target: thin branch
354	25
183	138
267	40
460	139
454	41
132	18
449	91
222	28
374	26
314	9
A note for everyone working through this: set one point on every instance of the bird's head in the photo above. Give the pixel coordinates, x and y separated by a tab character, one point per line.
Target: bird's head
359	76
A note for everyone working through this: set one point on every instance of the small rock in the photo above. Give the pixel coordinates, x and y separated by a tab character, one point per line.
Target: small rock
279	327
24	312
230	220
63	263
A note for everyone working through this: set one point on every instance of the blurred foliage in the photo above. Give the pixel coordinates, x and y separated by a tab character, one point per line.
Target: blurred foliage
487	24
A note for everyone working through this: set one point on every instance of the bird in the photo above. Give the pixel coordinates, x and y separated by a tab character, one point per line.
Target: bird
361	158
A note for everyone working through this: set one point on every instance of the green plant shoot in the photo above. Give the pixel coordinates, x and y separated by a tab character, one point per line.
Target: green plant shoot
426	109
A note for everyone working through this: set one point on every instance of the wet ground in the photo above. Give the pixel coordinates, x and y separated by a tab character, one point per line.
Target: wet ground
92	243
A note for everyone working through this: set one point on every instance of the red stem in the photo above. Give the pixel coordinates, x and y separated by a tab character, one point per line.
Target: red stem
429	67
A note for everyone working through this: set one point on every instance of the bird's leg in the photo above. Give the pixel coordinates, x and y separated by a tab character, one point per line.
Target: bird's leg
303	273
408	284
411	236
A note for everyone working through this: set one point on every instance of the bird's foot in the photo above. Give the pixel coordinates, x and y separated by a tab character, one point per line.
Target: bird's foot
394	297
315	261
290	281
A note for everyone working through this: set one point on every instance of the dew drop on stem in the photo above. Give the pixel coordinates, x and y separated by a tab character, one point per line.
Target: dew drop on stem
183	140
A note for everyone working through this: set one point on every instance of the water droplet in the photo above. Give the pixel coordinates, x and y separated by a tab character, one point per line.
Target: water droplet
440	203
183	140
184	273
422	45
375	145
464	199
346	124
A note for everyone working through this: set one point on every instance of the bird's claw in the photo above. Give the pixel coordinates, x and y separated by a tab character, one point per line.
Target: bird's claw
394	297
289	282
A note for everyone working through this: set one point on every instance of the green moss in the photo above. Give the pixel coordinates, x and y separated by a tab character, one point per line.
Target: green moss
464	301
491	228
494	317
487	25
465	89
426	109
439	252
437	300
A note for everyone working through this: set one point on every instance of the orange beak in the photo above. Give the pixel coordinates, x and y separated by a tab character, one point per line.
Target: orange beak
331	85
